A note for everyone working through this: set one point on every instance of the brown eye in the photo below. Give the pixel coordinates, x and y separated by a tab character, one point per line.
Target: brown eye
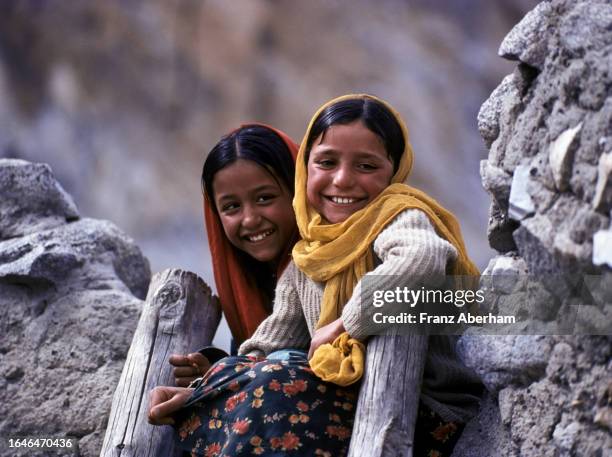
265	198
325	163
228	207
367	166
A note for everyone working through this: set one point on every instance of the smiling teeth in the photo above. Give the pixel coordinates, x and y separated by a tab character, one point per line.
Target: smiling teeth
343	200
261	236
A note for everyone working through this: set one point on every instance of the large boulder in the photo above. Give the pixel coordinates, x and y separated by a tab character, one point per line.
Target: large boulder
548	127
71	291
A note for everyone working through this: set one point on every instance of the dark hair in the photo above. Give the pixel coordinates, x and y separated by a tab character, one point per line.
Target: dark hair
376	117
251	142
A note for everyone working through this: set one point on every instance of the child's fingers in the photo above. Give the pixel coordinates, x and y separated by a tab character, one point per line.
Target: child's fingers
199	360
164	401
156	397
179	360
310	352
184	381
182	372
156	416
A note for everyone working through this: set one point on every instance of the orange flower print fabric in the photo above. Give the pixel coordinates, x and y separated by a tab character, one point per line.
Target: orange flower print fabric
271	407
433	436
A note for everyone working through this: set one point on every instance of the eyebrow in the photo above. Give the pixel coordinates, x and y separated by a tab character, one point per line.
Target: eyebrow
329	150
254	191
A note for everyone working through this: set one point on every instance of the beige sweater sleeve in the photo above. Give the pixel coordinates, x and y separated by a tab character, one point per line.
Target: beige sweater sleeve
412	255
285	327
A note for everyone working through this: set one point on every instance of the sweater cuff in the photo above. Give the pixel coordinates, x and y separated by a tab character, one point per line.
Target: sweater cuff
353	318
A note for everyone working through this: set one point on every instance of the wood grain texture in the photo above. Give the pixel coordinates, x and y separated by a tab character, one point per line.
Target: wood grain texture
389	397
179	316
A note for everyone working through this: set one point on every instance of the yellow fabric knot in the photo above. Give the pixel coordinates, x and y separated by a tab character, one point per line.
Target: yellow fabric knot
340	362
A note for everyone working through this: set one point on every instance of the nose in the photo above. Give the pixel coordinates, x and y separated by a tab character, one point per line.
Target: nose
343	177
251	217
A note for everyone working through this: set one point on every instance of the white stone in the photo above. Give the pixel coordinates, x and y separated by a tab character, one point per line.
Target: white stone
521	204
565	436
509	265
604	169
602	248
560	159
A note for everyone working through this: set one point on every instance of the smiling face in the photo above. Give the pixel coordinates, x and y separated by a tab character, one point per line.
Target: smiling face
348	167
255	209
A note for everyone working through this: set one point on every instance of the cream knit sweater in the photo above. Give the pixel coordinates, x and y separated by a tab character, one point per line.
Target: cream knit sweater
410	253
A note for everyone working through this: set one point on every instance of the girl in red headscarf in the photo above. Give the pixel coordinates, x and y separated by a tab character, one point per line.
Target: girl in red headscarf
247	182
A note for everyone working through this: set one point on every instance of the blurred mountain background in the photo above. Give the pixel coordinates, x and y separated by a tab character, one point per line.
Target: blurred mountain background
125	98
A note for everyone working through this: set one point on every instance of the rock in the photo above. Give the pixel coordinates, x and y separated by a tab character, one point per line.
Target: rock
595	319
560	157
582	181
86	252
71	291
488	116
507	399
521	204
496	182
565	436
534	242
507	264
544	392
602	248
584	223
500	228
504	360
505	273
568	249
32	200
603	417
586	27
530	431
528	40
603	190
485	435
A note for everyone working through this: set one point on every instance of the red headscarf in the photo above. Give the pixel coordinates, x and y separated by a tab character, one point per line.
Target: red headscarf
242	301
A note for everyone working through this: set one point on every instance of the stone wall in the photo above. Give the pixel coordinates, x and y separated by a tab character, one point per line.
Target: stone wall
71	292
548	127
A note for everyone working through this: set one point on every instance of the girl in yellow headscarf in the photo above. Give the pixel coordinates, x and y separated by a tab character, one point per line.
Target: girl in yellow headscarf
357	219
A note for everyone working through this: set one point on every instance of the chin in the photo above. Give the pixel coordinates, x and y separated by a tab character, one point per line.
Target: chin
336	219
263	257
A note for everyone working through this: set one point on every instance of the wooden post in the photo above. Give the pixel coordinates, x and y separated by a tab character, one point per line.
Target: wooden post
179	316
389	396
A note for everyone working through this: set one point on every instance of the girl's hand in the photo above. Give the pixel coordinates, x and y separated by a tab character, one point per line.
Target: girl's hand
164	401
326	334
188	367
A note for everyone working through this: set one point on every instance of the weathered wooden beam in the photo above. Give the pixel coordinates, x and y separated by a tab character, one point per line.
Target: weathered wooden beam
179	316
389	396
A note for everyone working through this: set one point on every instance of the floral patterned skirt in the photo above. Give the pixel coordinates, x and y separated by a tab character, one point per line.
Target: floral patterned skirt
270	407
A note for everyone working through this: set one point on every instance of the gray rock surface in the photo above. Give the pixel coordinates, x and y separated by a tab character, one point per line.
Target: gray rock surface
32	200
548	128
528	40
71	291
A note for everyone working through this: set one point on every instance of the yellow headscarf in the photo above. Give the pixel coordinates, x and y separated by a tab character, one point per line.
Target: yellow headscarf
340	254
